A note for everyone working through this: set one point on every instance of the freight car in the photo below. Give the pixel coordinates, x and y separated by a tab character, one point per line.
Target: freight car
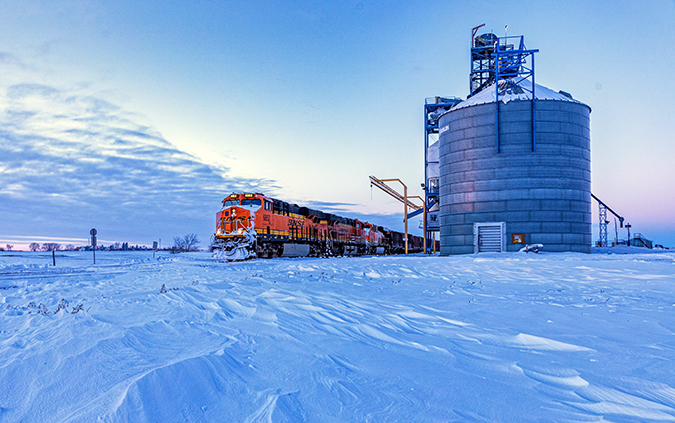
253	225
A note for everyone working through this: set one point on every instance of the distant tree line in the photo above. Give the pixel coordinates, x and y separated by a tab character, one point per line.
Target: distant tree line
53	246
49	246
188	243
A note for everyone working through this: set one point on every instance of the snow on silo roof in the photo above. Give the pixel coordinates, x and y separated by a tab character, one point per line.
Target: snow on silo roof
487	95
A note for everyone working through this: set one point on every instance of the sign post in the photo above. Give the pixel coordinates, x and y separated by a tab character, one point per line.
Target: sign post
154	248
93	233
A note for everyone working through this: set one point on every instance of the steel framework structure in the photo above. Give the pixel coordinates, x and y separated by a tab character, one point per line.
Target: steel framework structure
506	63
434	107
602	212
482	60
512	75
602	221
380	183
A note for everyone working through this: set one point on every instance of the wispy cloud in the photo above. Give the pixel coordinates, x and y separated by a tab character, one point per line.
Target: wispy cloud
70	161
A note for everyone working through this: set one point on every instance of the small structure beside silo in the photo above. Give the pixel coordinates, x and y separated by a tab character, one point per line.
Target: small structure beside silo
514	160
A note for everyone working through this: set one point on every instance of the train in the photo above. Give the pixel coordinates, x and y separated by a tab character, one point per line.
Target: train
252	225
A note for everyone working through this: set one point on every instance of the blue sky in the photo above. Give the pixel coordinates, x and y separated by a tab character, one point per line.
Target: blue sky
137	117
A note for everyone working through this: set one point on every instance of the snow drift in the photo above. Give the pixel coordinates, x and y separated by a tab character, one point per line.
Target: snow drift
511	337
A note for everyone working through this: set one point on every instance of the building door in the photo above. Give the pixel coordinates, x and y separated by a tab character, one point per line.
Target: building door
489	237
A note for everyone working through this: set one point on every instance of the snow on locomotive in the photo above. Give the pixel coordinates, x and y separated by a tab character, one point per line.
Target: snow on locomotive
253	225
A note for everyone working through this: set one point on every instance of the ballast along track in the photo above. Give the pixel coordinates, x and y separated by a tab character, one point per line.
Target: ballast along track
253	225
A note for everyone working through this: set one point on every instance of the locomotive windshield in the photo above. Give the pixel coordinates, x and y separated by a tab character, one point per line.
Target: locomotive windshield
228	203
250	202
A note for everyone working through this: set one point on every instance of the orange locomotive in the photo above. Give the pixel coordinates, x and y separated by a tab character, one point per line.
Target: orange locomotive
253	225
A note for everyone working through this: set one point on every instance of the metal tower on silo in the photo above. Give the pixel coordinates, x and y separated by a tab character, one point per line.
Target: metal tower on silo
507	61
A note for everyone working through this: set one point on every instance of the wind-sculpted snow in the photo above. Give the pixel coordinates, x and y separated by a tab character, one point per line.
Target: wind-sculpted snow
498	338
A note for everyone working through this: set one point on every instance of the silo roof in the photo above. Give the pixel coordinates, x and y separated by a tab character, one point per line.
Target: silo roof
487	95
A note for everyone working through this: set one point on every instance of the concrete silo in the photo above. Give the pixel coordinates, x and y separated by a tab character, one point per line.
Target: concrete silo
515	171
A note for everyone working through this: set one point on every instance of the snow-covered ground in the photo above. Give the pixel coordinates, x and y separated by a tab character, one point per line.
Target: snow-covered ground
489	338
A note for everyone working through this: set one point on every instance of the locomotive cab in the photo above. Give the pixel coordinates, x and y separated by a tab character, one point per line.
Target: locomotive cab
236	224
237	216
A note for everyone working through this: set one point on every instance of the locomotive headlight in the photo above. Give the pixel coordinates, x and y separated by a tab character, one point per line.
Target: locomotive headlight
240	231
218	232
